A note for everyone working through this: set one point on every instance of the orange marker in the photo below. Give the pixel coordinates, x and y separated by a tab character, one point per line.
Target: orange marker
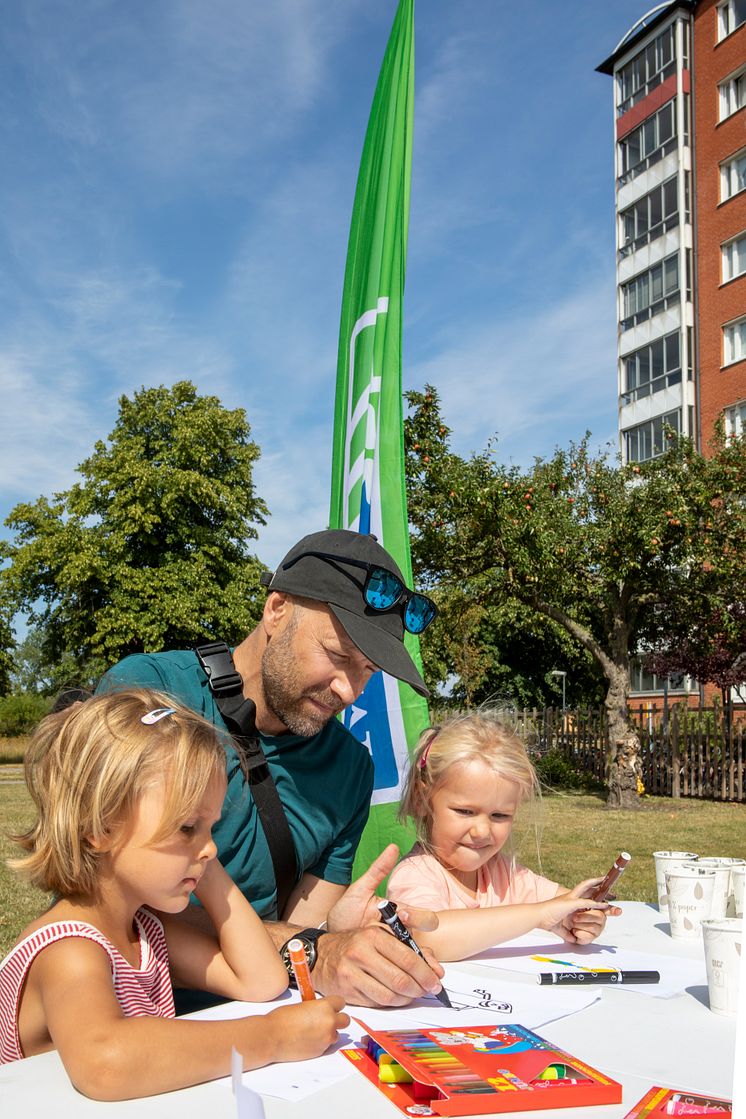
301	970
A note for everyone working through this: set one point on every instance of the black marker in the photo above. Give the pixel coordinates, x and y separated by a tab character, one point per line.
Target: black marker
387	909
547	978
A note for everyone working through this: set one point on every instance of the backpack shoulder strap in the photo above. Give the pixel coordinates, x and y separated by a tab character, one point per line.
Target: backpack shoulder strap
239	715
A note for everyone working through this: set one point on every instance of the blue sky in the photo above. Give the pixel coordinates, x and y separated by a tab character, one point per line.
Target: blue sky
175	199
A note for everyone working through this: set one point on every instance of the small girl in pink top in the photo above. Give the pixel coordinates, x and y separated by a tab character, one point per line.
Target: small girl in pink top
127	789
465	784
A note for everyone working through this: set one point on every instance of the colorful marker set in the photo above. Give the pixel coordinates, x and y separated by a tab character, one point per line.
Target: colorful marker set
476	1070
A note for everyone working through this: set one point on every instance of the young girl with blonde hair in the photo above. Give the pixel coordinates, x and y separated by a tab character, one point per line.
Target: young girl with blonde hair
466	781
127	788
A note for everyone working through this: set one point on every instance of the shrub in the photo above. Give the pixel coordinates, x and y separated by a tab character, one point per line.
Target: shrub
20	713
556	772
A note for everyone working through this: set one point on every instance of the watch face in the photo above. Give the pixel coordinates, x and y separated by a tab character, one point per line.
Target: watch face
308	947
308	939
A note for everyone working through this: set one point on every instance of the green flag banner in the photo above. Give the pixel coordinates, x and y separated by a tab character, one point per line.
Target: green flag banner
368	490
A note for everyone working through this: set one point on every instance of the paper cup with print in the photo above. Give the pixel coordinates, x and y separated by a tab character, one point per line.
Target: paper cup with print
722	941
667	860
737	876
690	890
721	904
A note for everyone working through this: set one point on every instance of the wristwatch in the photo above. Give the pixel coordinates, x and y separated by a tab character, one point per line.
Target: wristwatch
308	938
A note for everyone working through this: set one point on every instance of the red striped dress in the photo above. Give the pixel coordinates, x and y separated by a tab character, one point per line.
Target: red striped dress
143	991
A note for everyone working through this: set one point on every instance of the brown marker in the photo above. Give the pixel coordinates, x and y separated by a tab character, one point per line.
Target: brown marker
602	889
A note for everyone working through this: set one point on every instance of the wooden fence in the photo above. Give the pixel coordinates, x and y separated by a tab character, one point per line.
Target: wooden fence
684	752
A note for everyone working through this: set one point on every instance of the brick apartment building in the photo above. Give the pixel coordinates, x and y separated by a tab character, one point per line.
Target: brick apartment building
679	89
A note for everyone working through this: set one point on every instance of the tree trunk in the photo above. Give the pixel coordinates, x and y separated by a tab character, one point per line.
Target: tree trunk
623	759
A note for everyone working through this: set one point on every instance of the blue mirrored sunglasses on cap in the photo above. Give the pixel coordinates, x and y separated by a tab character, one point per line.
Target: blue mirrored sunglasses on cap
382	590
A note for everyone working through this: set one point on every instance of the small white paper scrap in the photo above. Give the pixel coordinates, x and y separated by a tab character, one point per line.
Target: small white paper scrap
249	1104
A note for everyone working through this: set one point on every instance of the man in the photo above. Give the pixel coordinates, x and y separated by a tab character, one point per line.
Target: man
335	614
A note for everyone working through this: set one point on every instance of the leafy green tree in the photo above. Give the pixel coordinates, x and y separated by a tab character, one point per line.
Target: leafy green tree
149	551
505	654
7	645
608	553
37	670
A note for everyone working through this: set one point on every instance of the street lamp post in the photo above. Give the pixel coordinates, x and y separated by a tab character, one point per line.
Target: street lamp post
563	674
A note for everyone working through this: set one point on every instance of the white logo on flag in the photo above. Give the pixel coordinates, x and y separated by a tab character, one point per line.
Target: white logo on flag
382	731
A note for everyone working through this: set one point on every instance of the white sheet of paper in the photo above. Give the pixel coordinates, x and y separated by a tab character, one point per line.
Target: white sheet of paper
677	973
500	999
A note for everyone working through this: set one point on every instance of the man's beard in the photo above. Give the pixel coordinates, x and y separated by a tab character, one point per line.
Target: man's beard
283	692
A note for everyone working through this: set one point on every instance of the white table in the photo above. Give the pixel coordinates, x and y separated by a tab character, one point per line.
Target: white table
636	1039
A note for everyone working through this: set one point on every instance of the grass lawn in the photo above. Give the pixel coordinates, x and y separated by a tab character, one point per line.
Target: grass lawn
19	902
13	749
579	839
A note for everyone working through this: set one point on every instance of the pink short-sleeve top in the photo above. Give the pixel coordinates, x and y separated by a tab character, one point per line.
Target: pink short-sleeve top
420	880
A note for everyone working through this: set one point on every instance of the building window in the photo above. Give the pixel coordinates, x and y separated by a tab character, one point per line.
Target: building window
644	681
652	368
731	15
646	70
734	258
650	216
733	176
650	292
652	438
645	145
734	341
732	94
735	420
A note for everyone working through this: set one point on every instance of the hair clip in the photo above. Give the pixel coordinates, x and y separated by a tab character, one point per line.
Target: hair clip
426	751
156	715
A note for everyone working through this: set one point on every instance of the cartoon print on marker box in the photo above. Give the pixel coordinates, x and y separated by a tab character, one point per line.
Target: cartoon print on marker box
499	1041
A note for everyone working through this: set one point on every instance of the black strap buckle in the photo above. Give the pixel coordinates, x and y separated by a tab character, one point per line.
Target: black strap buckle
217	663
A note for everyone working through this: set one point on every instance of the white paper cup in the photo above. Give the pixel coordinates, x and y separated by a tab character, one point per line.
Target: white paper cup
668	860
737	875
722	941
690	890
721	891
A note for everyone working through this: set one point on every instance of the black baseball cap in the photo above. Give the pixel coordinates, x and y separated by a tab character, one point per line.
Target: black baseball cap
378	634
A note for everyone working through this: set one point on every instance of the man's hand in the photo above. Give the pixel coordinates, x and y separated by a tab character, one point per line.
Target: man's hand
361	960
370	967
358	905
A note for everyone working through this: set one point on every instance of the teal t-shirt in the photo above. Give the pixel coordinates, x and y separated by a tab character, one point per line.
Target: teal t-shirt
324	782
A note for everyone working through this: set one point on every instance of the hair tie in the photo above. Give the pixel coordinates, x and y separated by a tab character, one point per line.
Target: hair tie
156	715
426	751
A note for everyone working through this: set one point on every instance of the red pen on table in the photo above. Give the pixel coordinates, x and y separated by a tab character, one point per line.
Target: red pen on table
301	970
600	892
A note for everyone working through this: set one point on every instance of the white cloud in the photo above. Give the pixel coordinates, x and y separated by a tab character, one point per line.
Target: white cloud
185	85
61	372
538	379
